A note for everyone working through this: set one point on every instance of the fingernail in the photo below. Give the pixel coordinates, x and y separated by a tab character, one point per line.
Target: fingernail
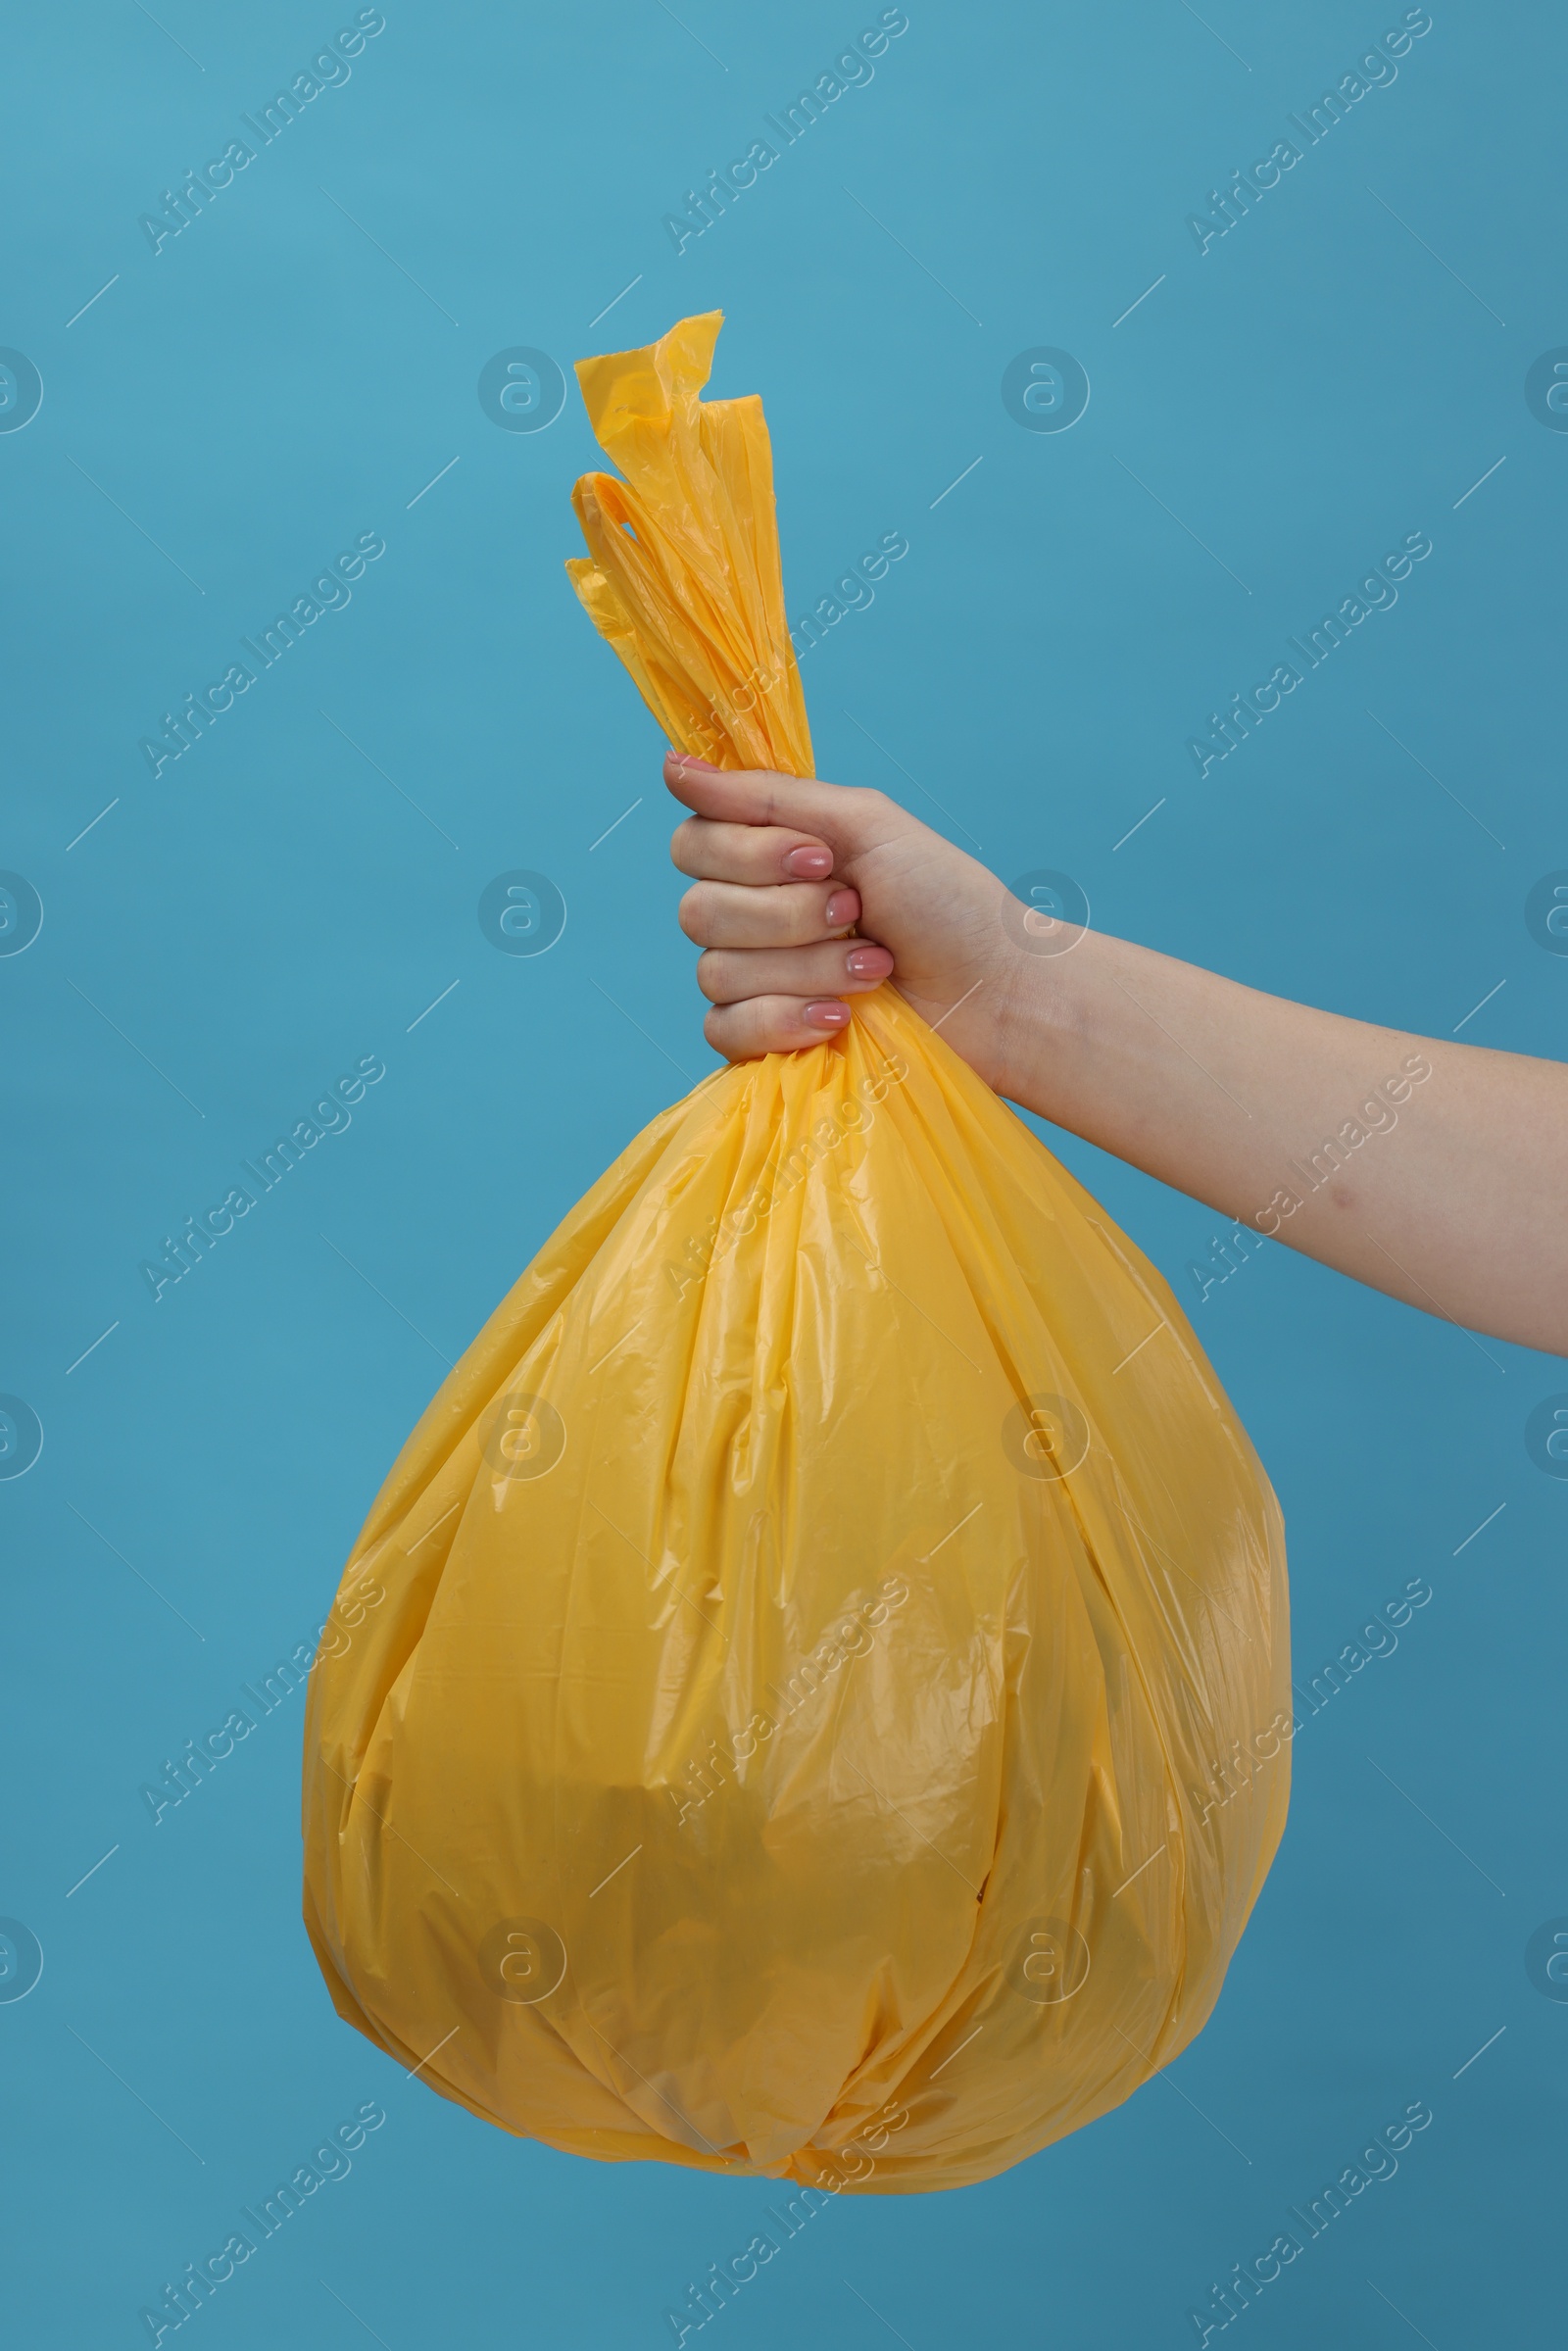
842	906
868	962
707	765
825	1013
810	864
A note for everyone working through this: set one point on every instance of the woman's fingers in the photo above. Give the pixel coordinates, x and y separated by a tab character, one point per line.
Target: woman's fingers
766	907
772	1024
748	852
729	975
851	822
788	914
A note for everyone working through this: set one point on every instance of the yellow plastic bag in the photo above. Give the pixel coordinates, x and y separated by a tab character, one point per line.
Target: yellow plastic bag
812	1697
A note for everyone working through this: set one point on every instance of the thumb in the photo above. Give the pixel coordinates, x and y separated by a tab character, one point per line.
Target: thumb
847	820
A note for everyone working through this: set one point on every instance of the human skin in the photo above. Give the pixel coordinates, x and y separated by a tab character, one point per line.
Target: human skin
1461	1208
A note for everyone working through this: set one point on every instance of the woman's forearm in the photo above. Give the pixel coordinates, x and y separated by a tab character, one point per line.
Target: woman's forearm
1436	1171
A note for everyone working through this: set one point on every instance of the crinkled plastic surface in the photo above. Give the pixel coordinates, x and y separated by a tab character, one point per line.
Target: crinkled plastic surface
782	1713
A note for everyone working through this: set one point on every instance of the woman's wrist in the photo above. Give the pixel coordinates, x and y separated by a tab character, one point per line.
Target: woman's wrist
1039	1021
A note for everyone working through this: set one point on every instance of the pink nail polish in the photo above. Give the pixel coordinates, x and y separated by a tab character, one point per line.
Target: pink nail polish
707	767
825	1014
842	906
810	864
868	962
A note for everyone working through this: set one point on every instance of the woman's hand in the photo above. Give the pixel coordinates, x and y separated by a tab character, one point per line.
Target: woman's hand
782	869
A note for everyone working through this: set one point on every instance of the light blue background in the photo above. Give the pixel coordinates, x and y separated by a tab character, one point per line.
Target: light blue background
271	384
